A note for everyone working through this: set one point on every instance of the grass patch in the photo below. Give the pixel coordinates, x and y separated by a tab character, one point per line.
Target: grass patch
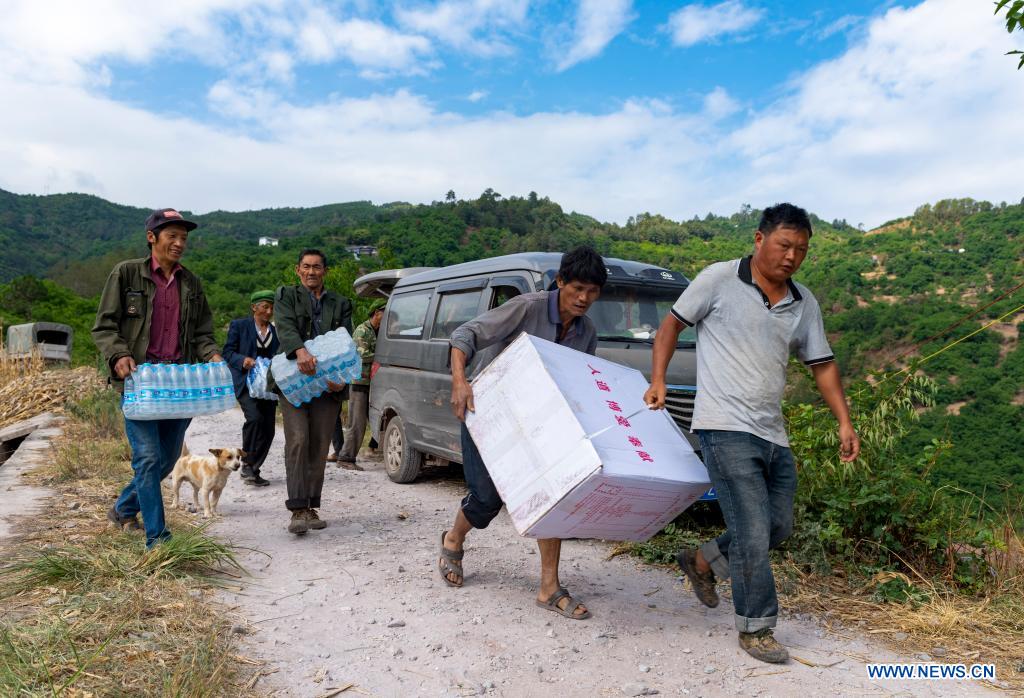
100	410
113	557
88	459
85	609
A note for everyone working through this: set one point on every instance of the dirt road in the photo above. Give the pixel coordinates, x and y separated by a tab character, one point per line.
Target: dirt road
361	602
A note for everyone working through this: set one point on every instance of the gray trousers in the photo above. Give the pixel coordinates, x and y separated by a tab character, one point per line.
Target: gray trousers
307	437
358	416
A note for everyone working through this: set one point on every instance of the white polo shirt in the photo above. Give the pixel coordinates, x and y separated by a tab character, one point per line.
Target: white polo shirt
743	346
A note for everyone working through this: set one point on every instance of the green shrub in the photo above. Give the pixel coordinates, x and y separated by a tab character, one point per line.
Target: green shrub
880	511
100	409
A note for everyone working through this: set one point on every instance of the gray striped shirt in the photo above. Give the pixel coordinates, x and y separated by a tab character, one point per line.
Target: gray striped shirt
533	313
743	347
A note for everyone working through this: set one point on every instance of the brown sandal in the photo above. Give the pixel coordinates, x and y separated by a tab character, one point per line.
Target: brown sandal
450	562
570	608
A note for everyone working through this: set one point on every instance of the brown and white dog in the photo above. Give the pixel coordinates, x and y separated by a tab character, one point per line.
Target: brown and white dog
206	474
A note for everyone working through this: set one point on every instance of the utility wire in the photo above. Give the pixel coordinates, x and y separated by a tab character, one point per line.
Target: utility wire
954	343
959	322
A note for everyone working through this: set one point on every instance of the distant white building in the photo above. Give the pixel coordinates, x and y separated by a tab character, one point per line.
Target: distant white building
358	251
265	242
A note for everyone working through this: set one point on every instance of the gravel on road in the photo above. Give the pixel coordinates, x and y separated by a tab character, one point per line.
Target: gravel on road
361	602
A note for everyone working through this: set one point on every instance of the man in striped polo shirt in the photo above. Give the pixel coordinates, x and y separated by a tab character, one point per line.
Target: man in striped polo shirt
750	316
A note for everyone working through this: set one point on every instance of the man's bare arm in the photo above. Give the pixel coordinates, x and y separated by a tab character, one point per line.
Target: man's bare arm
831	388
664	346
462	391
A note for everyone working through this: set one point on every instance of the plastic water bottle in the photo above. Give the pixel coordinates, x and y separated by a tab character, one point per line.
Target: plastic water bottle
144	384
192	387
159	391
179	400
129	402
225	385
205	385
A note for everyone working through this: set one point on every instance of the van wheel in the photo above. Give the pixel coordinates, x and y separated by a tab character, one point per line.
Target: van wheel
402	461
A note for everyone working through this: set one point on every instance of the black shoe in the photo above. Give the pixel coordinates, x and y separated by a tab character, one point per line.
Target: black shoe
259	481
123	521
247	473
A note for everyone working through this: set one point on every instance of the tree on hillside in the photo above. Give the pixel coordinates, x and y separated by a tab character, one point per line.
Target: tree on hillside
21	294
1014	22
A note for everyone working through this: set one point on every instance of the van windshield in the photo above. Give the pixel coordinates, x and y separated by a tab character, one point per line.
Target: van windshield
625	312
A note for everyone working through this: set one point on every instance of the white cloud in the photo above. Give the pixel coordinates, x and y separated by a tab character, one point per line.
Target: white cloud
473	26
370	45
695	23
718	104
477	96
923	105
279	65
70	42
597	23
62	40
839	26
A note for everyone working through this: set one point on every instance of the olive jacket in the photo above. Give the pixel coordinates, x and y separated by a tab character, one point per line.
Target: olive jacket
293	317
125	315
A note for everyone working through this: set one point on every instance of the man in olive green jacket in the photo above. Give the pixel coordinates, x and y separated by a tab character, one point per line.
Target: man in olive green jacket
304	312
153	309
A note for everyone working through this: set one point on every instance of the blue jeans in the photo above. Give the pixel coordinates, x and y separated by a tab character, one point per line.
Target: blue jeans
483	503
755	481
156	445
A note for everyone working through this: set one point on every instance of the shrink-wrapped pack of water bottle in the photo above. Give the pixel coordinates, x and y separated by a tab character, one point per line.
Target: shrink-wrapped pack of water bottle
256	379
337	361
177	391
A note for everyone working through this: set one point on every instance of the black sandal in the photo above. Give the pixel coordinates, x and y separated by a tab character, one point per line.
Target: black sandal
450	562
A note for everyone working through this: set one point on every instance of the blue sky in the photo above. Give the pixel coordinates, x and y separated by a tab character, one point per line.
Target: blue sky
856	110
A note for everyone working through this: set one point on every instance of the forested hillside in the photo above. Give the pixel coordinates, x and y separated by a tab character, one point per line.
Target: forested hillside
892	296
39	232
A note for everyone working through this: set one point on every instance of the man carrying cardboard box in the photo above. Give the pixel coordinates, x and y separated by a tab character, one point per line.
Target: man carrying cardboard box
559	316
749	315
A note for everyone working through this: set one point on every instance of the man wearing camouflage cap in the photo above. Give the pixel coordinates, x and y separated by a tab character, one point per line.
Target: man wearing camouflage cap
365	338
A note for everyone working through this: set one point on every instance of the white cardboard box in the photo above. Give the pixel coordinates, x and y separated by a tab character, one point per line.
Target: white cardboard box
572	448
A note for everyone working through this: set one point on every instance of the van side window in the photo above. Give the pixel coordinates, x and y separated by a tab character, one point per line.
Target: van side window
502	294
406	315
453	310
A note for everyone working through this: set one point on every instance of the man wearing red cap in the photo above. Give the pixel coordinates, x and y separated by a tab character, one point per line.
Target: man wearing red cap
153	310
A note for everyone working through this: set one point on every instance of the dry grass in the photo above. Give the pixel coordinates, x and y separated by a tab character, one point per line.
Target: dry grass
988	629
27	389
86	610
11	368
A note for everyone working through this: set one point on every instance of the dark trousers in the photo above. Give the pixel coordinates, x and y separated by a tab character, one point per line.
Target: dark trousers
307	436
258	430
338	435
755	481
482	503
358	416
